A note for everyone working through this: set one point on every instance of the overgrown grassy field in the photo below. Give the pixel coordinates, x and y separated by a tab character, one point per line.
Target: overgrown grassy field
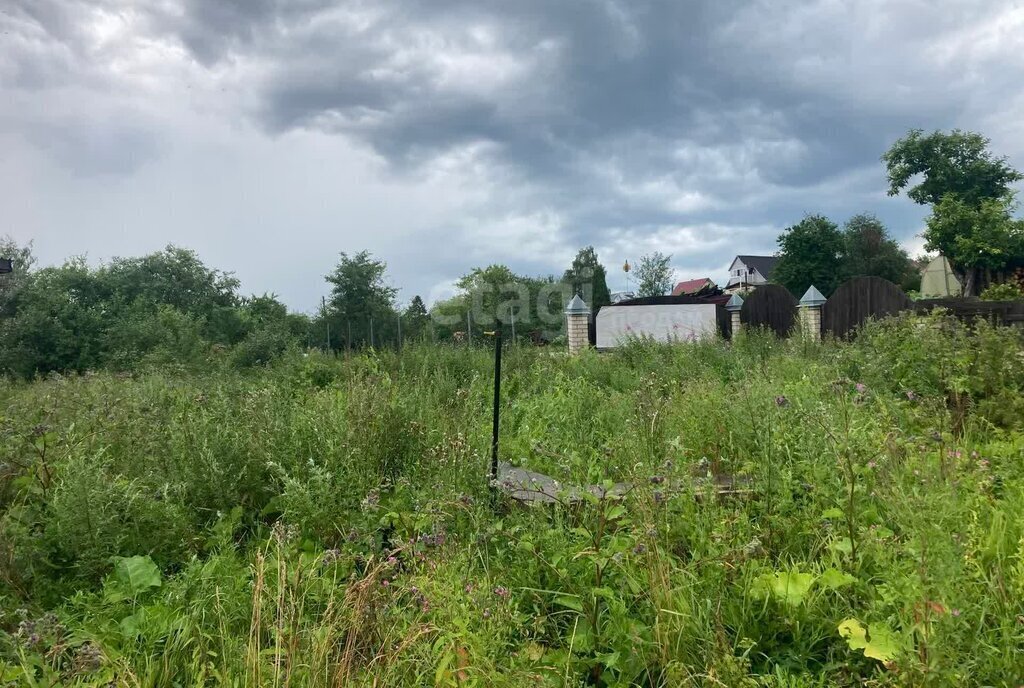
327	522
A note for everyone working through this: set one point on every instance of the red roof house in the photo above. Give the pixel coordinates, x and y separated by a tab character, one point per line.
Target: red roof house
693	287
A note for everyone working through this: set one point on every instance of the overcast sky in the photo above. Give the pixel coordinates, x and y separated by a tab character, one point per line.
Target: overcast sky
269	135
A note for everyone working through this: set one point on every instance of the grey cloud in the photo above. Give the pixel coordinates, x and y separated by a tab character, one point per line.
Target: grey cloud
613	120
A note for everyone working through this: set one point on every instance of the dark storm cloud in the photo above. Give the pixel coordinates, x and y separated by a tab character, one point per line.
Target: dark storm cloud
700	128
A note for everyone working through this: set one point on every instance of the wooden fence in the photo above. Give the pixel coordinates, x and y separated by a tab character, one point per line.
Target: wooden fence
996	312
858	299
861	298
770	306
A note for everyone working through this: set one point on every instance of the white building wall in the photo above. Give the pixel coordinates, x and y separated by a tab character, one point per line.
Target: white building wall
666	323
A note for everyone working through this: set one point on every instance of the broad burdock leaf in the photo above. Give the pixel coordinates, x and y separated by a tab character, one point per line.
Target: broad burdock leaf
876	641
842	544
790	587
138	573
834	578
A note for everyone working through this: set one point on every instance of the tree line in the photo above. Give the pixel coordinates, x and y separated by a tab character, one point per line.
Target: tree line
169	307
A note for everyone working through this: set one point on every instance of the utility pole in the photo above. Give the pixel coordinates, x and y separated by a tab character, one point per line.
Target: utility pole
469	329
371	331
512	318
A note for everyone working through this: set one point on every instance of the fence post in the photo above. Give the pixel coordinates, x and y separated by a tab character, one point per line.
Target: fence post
734	306
810	313
577	317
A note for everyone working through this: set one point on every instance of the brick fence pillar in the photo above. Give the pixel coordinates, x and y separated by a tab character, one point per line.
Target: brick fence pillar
734	306
577	324
810	313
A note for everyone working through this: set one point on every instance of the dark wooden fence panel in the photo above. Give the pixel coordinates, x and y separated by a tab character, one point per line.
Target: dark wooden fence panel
858	299
996	312
770	306
724	322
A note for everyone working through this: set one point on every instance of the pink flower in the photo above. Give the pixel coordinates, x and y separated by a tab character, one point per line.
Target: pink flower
502	592
872	464
861	387
385	583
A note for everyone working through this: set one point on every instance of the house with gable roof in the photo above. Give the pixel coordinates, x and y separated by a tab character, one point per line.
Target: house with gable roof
748	272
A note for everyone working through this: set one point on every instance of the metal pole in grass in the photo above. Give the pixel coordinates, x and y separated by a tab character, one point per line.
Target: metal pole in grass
497	400
399	319
323	307
512	318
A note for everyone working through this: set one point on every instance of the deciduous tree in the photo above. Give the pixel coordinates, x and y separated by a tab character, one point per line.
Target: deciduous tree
810	252
361	300
970	192
654	274
868	250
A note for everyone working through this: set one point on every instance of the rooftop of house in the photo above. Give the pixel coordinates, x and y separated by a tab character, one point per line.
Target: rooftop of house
692	286
763	264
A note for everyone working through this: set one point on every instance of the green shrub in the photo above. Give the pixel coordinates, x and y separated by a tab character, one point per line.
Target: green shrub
1007	291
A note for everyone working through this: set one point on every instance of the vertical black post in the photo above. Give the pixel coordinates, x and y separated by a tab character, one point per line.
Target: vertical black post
323	304
497	401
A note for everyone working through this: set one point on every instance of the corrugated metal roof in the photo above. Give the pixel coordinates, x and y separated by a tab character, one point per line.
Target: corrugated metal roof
691	286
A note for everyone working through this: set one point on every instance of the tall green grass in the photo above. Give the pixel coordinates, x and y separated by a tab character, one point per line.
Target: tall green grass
327	521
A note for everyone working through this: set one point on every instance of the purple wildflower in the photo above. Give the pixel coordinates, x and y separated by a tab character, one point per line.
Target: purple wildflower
955	612
860	387
910	395
781	401
657	479
502	592
88	658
